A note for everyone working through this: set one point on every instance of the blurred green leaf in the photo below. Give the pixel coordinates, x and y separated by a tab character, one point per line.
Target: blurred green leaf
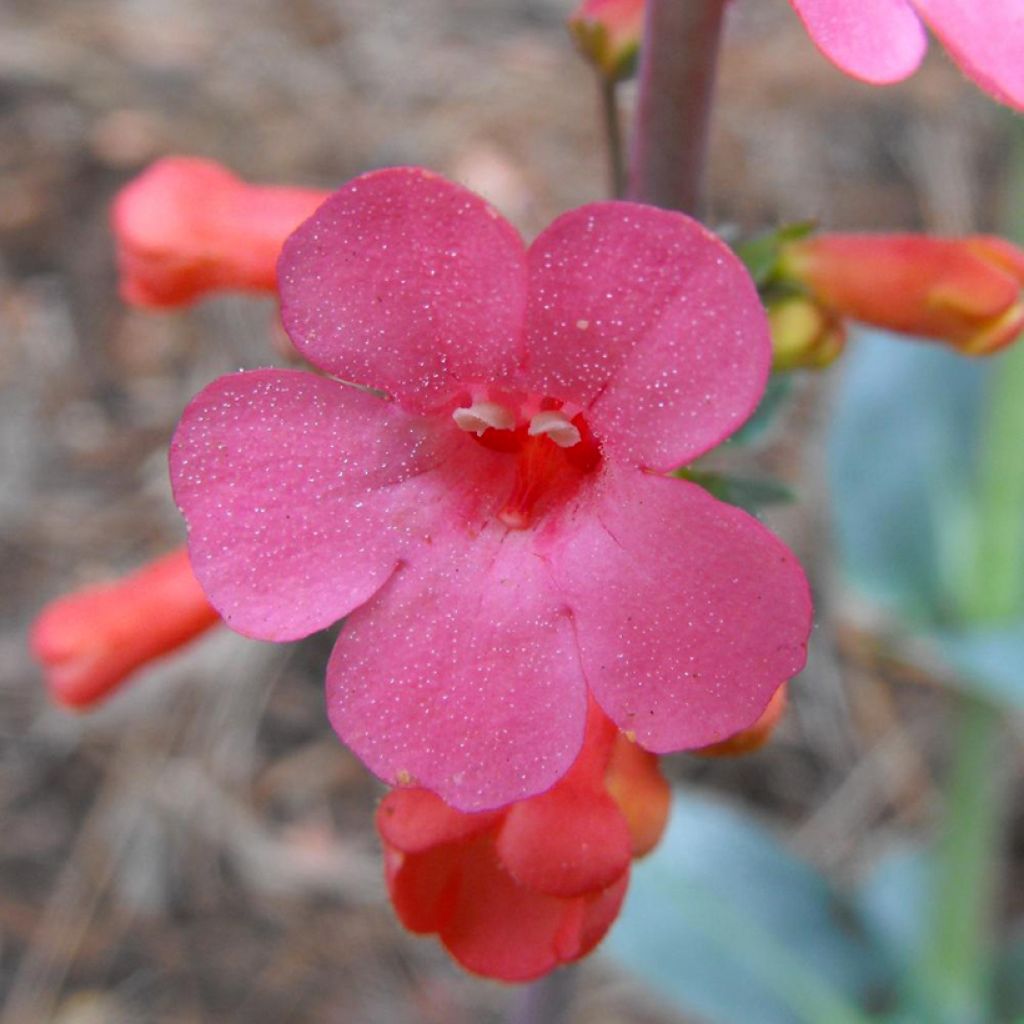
760	254
729	925
748	493
903	468
773	401
892	900
1009	986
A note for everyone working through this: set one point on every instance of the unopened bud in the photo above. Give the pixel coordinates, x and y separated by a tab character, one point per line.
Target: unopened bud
186	227
91	641
964	291
804	334
608	33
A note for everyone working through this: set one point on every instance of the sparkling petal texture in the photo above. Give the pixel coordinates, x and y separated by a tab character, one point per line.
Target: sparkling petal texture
877	41
406	282
462	674
285	480
986	38
488	580
648	318
689	613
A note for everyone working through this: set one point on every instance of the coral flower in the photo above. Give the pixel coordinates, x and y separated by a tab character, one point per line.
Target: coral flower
487	506
515	893
965	291
91	641
884	41
187	227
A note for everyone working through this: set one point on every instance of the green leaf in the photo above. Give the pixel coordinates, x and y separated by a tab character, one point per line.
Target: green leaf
760	254
748	493
773	401
726	923
903	471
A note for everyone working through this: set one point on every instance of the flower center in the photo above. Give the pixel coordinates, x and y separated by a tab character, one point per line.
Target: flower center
553	449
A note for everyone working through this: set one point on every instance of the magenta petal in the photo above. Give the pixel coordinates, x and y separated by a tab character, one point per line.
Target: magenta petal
986	38
648	313
689	612
877	41
405	282
285	480
462	675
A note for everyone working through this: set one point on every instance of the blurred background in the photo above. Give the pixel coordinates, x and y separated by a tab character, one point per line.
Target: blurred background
202	848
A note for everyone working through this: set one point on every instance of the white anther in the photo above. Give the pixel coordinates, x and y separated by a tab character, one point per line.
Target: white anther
481	416
555	425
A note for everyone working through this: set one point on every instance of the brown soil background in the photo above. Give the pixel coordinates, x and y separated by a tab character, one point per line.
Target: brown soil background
201	849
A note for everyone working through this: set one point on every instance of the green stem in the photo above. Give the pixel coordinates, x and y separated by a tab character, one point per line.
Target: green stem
954	976
612	135
955	972
998	583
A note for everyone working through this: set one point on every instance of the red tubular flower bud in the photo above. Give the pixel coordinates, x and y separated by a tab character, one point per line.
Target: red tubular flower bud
91	641
748	740
964	291
608	33
516	892
186	227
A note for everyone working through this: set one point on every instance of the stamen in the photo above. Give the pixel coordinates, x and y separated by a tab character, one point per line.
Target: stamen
556	426
483	416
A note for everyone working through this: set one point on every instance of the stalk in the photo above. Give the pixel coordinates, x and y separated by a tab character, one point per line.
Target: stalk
678	60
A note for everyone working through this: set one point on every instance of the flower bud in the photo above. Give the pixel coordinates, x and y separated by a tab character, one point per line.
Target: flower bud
187	226
748	740
804	334
966	292
91	641
608	33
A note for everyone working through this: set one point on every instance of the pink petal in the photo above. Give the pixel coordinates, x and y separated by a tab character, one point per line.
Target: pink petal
689	613
877	41
986	38
461	675
286	480
648	316
405	282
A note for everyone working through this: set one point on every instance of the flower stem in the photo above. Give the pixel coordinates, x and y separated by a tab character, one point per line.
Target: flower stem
954	974
612	135
547	1000
677	73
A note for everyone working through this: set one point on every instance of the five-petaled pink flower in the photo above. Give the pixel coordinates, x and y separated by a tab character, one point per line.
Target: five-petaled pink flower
884	40
497	527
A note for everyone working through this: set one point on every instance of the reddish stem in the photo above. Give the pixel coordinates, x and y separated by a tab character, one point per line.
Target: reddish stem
677	74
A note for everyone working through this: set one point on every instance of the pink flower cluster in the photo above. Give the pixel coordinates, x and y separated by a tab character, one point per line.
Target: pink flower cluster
477	484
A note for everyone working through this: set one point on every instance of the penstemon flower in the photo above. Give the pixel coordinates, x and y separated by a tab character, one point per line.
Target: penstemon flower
498	529
514	893
91	641
189	226
884	41
968	292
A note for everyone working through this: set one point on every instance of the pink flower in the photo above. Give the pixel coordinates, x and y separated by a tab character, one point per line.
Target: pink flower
884	41
497	530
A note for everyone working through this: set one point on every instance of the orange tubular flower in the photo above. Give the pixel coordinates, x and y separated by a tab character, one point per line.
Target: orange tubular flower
186	227
607	33
89	642
748	740
516	892
964	291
